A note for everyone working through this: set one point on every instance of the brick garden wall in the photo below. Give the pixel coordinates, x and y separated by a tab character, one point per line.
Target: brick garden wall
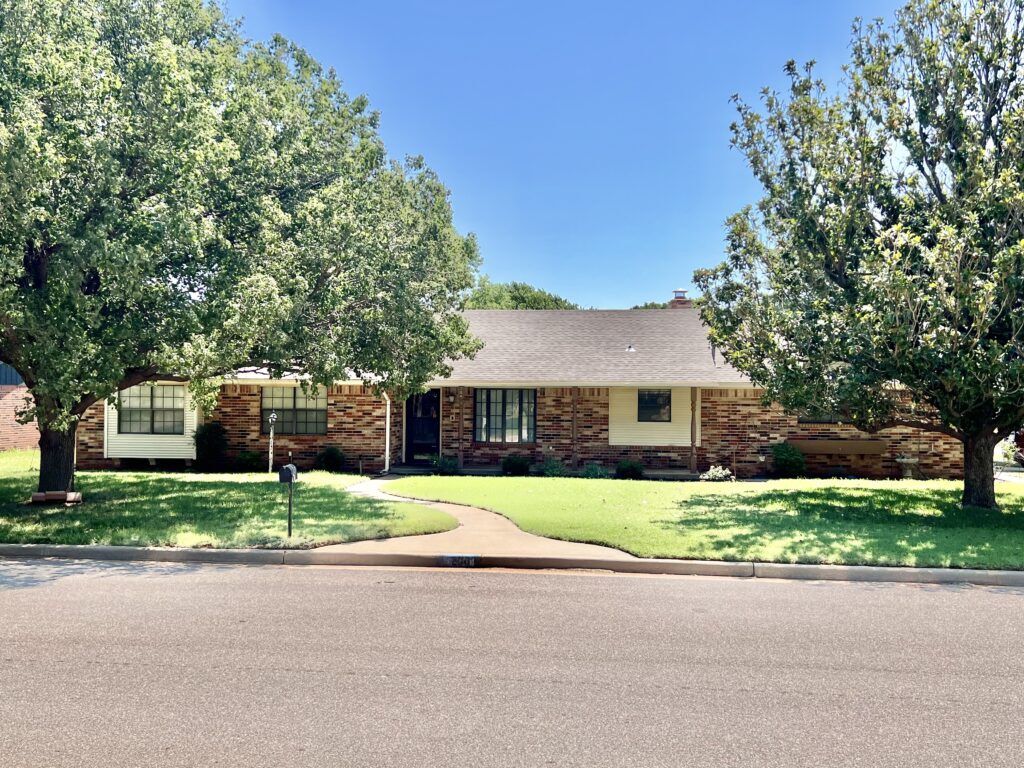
13	434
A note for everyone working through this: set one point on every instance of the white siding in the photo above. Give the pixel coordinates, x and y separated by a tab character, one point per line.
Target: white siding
116	446
624	429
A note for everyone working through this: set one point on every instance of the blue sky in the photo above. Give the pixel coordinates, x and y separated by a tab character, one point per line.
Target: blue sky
586	144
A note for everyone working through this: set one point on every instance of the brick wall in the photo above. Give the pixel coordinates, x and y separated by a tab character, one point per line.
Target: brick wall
553	433
735	430
13	434
355	424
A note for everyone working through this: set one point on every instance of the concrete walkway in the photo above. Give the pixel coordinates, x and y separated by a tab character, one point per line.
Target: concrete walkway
479	533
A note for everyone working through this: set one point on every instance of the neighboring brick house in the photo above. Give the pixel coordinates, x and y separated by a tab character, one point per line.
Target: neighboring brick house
12	399
580	386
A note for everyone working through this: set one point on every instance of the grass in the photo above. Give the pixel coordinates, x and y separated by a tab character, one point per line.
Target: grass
912	523
185	509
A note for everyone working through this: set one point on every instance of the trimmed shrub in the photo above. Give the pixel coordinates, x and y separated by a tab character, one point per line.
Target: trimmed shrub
788	460
717	474
330	459
211	441
250	461
595	471
445	465
628	469
552	467
516	465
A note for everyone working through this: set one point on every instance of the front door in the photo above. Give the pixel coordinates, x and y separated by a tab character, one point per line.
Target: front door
423	427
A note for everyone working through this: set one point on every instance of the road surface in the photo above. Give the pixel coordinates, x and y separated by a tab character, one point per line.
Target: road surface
200	665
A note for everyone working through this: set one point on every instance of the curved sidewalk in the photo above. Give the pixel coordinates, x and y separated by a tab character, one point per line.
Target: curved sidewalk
479	533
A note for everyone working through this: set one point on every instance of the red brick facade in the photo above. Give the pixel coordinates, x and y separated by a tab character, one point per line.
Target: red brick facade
355	424
736	431
13	434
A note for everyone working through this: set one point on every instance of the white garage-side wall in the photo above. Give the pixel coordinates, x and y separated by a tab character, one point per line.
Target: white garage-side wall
625	429
118	446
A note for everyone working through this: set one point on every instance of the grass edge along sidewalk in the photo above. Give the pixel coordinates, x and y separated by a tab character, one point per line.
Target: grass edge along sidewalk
191	509
836	522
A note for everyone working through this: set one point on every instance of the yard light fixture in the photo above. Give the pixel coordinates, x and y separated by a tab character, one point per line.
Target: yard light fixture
272	420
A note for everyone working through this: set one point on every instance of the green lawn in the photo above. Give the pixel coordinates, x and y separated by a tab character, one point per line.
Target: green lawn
804	521
184	509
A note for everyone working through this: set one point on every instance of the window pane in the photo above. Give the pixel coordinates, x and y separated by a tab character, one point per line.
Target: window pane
278	398
529	414
654	405
480	416
512	415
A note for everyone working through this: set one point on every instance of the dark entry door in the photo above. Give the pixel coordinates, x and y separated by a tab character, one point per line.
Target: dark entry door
422	427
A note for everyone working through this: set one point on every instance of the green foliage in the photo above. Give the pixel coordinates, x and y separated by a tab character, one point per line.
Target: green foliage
250	461
488	295
444	465
515	465
183	509
652	305
881	276
211	441
911	523
176	199
628	469
330	459
595	471
553	467
788	460
717	474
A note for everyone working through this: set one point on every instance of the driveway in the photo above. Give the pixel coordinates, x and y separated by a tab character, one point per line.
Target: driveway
172	665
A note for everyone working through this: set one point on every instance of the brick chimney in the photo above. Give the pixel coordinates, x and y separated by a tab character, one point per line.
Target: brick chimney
679	299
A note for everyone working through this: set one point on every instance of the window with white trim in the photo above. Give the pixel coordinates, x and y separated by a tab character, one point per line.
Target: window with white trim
151	409
505	416
298	412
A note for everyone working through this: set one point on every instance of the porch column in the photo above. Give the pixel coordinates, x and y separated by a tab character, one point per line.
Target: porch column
694	394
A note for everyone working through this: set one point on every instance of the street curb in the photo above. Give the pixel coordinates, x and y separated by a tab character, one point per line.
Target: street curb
853	573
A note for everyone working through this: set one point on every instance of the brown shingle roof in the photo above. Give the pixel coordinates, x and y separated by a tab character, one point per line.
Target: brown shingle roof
589	348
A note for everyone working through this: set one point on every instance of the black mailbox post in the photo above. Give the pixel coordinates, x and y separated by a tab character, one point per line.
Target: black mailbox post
289	473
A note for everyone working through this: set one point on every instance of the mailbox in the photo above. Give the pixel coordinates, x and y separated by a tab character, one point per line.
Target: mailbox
289	473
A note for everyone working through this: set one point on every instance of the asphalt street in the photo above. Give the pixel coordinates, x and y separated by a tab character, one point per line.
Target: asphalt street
201	665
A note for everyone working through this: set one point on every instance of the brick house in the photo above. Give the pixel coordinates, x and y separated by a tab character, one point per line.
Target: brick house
586	386
13	393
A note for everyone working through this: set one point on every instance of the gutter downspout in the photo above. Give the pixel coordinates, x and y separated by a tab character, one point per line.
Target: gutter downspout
387	433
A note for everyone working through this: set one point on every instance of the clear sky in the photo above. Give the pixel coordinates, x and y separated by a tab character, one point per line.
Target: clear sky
585	143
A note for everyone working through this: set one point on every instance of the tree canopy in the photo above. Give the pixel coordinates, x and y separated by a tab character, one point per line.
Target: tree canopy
176	199
514	295
881	276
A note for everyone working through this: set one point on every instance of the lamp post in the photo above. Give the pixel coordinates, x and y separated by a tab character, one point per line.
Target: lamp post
272	419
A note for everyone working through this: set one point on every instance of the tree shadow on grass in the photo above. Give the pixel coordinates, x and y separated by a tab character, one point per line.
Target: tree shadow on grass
154	509
853	525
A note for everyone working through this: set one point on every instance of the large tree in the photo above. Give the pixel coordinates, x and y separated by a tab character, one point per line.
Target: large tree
881	276
514	295
177	200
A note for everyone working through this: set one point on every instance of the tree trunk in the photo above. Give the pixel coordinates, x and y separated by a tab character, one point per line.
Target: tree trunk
57	458
979	470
